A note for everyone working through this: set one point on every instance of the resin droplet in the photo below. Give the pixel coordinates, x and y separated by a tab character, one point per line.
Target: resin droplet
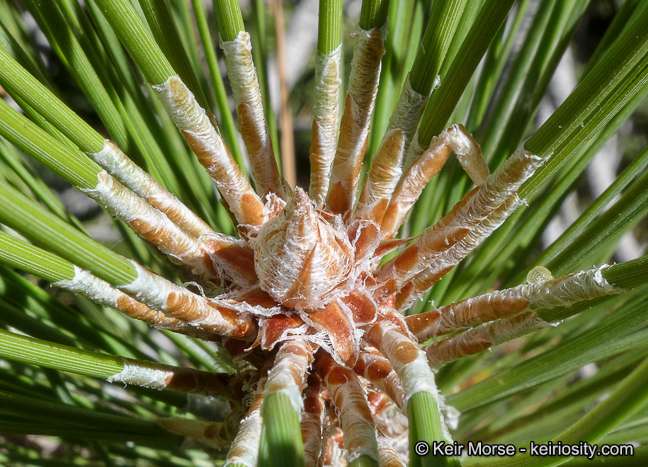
538	275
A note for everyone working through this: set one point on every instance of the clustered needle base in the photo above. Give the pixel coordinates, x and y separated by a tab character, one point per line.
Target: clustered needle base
304	298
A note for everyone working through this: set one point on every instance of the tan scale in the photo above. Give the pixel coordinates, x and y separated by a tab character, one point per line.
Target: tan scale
373	366
325	123
252	122
353	413
356	120
205	141
137	180
455	139
313	420
483	337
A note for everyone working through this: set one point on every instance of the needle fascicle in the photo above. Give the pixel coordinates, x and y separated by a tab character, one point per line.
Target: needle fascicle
313	420
356	120
552	293
382	179
481	211
245	447
288	374
455	139
484	337
90	286
152	225
325	123
205	141
252	122
178	302
137	180
353	413
374	367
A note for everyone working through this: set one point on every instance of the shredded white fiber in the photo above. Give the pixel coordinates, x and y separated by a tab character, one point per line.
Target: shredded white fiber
140	374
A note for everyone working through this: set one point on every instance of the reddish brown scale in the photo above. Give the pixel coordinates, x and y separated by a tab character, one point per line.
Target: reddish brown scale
237	260
390	245
362	306
187	307
312	420
379	210
378	370
257	297
417	324
365	237
275	327
253	143
414	288
339	327
313	400
377	400
337	376
137	310
403	294
336	199
373	366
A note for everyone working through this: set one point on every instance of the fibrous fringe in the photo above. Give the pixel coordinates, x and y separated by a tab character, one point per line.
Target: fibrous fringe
90	286
152	225
483	337
203	139
353	411
252	121
134	178
562	292
407	114
325	123
356	120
